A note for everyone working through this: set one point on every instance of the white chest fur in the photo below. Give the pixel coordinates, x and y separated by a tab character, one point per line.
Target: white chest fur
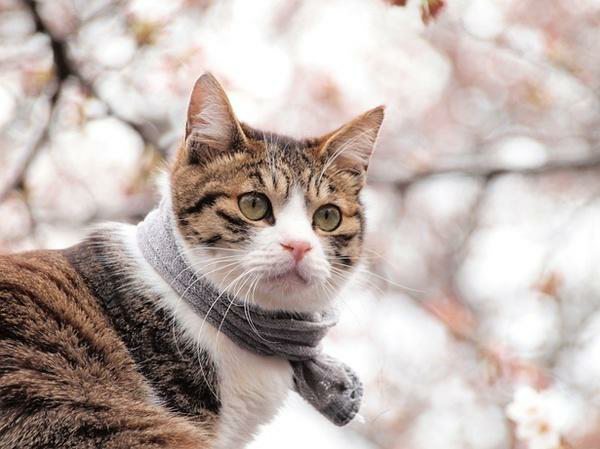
252	387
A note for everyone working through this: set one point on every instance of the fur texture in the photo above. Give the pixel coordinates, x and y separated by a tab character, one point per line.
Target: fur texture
97	351
67	379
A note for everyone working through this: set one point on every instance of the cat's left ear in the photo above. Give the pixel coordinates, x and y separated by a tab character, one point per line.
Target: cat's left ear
351	146
211	126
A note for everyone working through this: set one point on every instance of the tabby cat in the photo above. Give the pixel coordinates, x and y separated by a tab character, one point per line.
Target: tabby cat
98	350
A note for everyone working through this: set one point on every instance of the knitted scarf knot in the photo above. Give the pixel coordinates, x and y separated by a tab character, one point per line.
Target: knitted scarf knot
326	383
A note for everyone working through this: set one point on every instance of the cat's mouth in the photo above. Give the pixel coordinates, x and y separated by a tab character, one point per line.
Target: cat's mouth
290	276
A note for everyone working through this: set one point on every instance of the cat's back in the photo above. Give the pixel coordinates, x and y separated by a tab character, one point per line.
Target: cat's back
38	288
59	356
47	310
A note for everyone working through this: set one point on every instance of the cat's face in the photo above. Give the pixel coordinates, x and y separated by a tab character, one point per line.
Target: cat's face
275	221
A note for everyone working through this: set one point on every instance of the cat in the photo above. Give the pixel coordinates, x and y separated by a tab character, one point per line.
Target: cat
98	350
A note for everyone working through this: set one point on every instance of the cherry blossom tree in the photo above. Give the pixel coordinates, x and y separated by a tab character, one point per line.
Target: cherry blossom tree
475	318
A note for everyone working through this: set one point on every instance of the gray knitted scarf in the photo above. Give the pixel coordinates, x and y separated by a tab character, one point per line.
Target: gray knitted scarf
326	383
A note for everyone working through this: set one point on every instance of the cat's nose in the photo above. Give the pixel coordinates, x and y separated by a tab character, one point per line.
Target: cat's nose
298	248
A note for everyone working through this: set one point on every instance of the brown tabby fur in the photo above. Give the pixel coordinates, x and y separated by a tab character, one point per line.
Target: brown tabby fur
87	359
66	377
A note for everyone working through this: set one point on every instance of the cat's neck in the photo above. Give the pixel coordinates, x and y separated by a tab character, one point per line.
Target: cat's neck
265	381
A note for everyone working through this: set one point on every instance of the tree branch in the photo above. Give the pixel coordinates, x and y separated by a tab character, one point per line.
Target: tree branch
26	157
490	172
66	67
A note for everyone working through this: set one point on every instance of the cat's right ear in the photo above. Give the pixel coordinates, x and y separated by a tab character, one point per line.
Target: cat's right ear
211	126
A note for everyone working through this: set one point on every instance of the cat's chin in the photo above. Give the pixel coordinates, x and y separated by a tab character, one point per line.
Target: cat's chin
292	294
291	279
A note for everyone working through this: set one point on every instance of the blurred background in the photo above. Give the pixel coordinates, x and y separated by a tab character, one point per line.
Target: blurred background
475	322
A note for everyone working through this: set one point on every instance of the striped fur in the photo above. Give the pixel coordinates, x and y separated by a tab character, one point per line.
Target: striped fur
208	179
95	351
67	379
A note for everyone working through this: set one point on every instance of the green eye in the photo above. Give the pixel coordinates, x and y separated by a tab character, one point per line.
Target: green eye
327	218
255	206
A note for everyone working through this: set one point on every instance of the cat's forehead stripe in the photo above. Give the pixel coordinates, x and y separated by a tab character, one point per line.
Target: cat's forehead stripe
279	167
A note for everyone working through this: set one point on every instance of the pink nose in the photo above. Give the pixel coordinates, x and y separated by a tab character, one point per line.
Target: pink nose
298	248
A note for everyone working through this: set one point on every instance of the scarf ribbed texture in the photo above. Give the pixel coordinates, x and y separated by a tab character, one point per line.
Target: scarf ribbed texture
327	384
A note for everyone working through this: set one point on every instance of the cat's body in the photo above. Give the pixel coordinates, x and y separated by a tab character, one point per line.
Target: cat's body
98	350
72	376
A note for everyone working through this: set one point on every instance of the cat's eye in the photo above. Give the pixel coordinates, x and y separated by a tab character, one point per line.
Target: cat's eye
255	206
327	218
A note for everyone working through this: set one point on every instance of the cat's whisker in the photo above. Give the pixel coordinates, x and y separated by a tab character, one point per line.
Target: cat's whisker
245	300
345	276
252	325
200	333
196	270
363	270
331	290
219	248
327	289
180	299
202	372
390	282
376	255
343	300
195	252
204	275
233	298
216	300
196	267
247	312
245	303
221	324
379	256
342	257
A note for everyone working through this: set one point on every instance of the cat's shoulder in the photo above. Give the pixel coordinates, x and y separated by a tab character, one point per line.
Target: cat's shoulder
40	273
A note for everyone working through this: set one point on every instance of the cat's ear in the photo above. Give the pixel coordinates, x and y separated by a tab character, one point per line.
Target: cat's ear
211	124
351	146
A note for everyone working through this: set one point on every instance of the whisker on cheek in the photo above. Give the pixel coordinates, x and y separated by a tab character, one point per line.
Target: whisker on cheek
289	182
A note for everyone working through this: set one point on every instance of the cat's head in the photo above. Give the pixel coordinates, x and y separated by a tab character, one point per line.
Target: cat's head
273	220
